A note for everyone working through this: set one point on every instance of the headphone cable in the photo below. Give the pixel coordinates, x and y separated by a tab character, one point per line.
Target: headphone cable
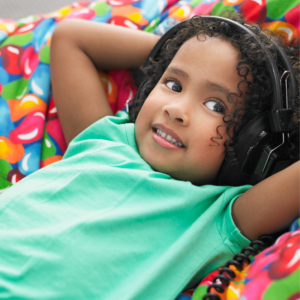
238	261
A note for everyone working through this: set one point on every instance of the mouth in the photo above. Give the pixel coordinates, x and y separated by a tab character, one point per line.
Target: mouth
166	137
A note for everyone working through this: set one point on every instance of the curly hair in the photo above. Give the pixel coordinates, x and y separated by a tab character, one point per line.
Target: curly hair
253	62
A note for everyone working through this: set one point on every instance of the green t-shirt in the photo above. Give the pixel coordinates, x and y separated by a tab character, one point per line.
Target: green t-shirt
102	224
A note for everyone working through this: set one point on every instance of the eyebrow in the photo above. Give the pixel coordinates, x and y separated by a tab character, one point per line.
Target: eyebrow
178	72
216	87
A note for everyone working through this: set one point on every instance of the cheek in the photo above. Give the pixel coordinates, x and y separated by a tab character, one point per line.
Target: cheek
208	144
143	122
210	131
139	128
150	108
220	137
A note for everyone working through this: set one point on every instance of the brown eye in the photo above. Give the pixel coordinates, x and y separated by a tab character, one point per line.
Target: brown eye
174	86
215	106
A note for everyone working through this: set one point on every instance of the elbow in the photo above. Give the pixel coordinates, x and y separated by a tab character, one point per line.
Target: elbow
66	31
62	30
63	36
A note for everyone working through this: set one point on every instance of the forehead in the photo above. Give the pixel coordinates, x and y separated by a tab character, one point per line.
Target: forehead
215	53
205	45
208	59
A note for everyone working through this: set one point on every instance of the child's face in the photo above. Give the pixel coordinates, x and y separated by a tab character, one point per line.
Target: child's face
188	104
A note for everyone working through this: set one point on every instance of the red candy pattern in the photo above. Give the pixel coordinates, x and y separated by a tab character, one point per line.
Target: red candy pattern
30	130
255	10
11	55
28	62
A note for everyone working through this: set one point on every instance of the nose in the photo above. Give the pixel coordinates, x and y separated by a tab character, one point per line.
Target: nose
177	112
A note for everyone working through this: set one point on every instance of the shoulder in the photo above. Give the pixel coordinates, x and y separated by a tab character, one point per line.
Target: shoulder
107	131
112	128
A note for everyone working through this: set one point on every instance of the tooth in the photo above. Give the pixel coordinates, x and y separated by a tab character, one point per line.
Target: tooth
158	132
163	134
174	141
179	144
169	138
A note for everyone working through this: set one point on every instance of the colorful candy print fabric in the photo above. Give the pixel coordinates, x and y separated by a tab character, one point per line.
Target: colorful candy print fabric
30	131
274	274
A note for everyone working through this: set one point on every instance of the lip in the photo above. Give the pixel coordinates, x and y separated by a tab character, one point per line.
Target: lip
169	132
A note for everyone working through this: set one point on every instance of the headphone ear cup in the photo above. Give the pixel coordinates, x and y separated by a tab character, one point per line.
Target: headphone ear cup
255	159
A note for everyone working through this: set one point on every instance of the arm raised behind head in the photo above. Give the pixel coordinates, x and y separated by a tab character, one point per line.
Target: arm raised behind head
269	206
78	49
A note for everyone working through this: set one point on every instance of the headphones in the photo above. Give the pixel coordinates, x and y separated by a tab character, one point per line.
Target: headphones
261	145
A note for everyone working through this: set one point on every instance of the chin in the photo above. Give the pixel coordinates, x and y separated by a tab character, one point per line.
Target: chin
178	174
195	180
160	167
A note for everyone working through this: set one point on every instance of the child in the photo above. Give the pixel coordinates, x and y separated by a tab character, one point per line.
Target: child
133	211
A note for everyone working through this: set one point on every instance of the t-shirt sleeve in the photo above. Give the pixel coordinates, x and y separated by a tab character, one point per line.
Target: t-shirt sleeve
232	236
227	238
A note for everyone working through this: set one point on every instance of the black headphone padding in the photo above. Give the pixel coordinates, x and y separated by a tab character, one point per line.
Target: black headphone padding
252	147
